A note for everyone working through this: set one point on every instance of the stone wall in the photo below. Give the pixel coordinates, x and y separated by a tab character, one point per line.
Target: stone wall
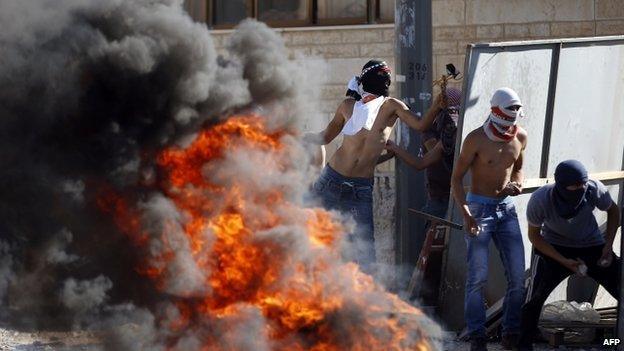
460	22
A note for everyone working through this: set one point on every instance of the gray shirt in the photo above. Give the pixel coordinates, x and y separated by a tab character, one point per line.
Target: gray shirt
579	231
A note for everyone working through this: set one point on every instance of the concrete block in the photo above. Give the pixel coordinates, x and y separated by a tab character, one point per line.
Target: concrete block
572	29
448	13
495	31
606	9
315	37
444	47
527	31
454	33
362	35
573	10
388	34
527	11
509	11
336	50
370	50
613	27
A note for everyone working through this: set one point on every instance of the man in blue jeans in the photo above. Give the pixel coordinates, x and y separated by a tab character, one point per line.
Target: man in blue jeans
365	119
494	155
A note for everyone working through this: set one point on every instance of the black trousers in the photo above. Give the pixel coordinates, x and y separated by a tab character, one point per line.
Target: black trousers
547	273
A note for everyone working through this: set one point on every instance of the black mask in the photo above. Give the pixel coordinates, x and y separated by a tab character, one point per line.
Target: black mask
568	203
375	78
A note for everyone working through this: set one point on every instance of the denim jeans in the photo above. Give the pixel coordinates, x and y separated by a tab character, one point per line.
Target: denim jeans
352	196
498	221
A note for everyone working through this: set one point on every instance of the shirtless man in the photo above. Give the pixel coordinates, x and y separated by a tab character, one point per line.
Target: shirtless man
366	119
494	155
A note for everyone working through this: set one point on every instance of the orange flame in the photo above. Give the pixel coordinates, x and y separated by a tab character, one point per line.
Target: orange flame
303	296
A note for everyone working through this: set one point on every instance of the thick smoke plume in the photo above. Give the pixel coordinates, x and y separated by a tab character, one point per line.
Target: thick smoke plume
91	93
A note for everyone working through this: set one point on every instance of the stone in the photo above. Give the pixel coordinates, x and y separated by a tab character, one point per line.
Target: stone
607	9
573	29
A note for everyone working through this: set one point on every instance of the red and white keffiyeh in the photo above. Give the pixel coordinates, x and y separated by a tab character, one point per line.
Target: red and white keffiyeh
501	123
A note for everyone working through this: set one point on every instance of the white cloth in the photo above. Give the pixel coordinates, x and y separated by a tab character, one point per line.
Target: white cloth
354	84
501	116
364	114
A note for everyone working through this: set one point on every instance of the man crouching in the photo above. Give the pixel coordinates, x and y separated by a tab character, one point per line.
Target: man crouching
567	240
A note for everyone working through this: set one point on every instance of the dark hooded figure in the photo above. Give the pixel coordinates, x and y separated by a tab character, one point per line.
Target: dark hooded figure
567	239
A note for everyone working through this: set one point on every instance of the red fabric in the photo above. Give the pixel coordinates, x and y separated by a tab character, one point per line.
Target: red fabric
498	112
508	136
368	98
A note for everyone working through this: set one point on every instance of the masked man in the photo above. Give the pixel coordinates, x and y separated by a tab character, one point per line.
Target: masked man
365	119
439	151
494	155
567	240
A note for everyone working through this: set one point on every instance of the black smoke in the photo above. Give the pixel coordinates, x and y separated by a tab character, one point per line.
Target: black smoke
89	91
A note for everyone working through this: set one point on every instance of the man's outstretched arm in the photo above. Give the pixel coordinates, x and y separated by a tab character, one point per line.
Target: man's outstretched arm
419	163
412	120
331	131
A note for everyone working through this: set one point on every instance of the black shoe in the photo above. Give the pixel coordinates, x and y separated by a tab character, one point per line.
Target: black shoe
510	341
478	344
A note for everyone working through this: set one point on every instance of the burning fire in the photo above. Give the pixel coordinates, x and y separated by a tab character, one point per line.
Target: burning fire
259	254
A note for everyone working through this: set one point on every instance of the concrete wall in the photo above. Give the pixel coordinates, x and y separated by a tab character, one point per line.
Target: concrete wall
456	23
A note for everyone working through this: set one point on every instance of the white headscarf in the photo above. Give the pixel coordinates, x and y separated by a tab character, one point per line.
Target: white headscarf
364	113
501	123
501	100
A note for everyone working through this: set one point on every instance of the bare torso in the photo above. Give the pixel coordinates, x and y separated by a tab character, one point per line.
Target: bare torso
358	154
494	161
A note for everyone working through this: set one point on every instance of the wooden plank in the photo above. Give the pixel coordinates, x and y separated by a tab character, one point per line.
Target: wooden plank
436	220
534	183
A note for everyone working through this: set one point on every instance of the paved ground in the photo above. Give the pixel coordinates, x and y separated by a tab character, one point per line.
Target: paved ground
86	341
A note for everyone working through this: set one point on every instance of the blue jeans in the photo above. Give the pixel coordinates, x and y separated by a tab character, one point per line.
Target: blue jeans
498	221
351	196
